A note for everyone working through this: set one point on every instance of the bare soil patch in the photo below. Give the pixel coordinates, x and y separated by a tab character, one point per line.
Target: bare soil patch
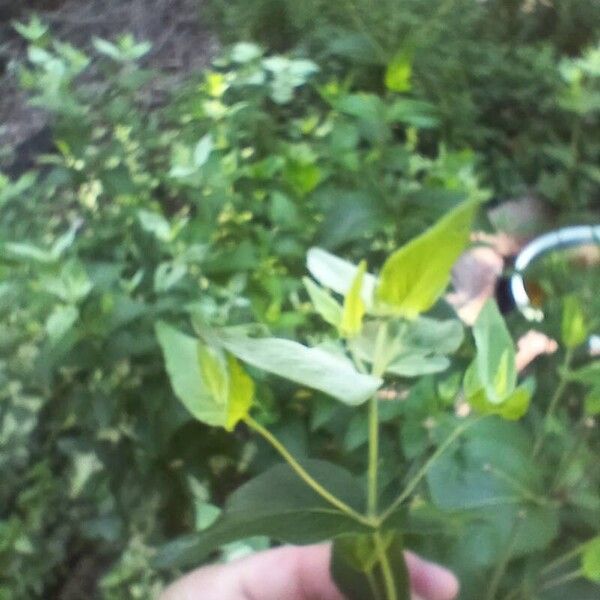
181	38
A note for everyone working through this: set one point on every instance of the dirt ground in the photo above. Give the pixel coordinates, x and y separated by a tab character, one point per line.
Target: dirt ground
181	38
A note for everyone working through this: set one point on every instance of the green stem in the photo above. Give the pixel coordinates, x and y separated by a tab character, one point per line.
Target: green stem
501	565
560	389
386	569
414	482
305	476
557	581
564	558
373	585
372	495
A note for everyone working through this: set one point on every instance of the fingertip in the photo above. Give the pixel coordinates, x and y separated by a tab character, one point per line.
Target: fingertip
431	581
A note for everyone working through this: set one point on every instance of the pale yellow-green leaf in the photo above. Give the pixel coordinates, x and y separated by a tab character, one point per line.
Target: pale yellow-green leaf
502	378
574	328
210	384
415	276
354	307
590	560
183	366
241	393
213	368
399	71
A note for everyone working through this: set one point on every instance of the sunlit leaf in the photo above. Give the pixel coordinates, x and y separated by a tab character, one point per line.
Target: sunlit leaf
415	276
210	385
399	71
590	560
354	306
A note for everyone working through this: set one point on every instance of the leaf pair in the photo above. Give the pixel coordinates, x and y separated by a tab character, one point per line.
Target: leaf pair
491	379
215	389
412	279
210	383
279	505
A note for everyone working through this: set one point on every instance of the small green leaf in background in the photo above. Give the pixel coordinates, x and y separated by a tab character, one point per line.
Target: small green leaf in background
590	560
327	306
354	306
592	402
311	367
399	71
60	321
574	328
357	572
212	386
203	150
415	276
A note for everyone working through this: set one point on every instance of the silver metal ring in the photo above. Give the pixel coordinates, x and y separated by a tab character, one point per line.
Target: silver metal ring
566	237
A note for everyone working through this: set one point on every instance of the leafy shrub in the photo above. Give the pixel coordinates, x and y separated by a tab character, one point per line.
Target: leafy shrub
493	70
142	213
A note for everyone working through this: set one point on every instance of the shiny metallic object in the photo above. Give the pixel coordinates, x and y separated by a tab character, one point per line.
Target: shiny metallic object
567	237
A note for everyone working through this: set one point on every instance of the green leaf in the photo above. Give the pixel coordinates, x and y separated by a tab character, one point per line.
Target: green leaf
574	328
210	385
61	321
415	113
241	394
415	364
399	72
354	306
590	560
338	275
490	478
311	367
203	150
495	360
357	572
323	302
279	505
411	348
513	407
415	276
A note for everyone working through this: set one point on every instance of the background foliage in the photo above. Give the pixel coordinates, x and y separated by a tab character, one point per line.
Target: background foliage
207	204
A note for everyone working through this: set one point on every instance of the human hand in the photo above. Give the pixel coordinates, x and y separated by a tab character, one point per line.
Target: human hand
295	573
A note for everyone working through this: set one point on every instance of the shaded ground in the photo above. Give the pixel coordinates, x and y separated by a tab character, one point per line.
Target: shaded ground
182	43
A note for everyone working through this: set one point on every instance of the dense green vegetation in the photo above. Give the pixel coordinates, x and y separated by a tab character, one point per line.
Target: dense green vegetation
331	125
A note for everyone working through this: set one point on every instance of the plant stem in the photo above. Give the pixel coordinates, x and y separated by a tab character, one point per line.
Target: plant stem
378	369
566	557
386	570
305	476
560	389
372	489
503	562
414	482
562	579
